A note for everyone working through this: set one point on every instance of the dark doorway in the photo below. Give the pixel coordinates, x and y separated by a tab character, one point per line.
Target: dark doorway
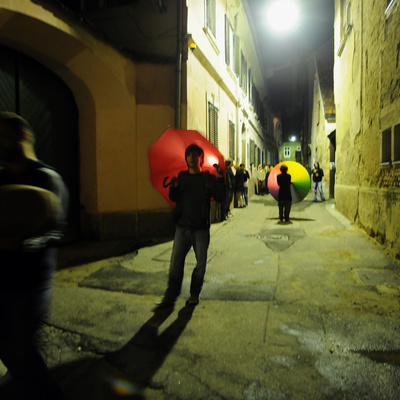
37	94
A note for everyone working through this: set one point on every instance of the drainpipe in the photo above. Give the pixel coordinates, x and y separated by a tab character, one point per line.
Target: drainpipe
178	94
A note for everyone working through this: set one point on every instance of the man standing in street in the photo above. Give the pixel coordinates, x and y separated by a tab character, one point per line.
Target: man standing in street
192	191
317	174
284	181
230	190
246	184
27	254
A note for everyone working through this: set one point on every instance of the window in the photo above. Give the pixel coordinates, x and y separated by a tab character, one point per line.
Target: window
211	16
229	43
231	140
213	124
386	146
252	152
250	90
243	74
396	143
254	98
286	152
236	49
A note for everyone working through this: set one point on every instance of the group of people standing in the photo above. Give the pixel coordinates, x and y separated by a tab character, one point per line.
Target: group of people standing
262	179
237	188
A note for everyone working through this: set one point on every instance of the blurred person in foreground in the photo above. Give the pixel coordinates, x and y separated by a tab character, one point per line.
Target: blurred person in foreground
33	200
192	191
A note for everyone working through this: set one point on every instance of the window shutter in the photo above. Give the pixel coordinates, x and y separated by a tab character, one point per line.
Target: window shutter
231	140
212	16
227	44
213	124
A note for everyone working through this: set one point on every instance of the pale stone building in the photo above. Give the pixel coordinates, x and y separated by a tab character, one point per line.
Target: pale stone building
367	96
97	103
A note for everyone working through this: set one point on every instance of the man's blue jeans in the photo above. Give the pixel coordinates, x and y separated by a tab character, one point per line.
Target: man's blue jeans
318	185
183	241
246	195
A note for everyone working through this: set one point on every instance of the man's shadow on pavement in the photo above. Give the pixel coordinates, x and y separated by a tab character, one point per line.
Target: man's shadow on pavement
140	359
126	372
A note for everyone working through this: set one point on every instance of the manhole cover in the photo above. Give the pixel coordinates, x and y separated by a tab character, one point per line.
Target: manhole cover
280	240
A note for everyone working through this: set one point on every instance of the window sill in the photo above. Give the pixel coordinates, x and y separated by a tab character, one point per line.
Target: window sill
231	73
211	39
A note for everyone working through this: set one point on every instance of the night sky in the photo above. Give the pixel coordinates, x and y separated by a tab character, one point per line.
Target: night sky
278	52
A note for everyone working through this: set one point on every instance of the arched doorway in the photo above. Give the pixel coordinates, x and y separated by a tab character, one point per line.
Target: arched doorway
37	94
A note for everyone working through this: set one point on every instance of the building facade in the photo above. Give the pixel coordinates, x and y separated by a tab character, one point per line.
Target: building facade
97	103
367	96
322	139
290	151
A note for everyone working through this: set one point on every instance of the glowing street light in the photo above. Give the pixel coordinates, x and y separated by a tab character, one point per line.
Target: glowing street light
282	15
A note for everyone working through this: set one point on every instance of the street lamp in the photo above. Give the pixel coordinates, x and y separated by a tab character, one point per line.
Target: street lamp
282	15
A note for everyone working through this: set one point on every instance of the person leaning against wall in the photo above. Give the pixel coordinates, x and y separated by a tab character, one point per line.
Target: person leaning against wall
317	175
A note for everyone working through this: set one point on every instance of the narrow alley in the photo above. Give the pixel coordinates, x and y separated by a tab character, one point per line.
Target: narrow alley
303	310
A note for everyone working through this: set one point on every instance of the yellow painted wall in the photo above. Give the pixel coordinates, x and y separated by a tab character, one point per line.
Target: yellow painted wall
154	114
124	106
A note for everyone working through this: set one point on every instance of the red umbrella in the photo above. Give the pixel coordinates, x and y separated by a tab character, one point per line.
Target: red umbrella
167	156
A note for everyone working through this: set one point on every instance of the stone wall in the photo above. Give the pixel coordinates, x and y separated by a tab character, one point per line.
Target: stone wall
367	96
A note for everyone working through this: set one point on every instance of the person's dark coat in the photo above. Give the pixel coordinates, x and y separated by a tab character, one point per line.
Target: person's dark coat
240	178
284	181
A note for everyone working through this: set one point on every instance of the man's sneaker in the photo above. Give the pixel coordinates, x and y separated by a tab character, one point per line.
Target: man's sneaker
192	301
